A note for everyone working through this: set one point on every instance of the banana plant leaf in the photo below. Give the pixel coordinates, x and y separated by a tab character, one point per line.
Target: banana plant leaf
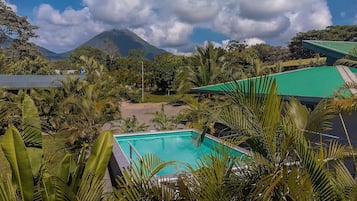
31	134
64	171
100	154
16	153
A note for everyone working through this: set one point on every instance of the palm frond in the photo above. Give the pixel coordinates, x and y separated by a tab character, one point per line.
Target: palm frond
91	188
259	110
335	151
320	118
321	181
31	124
343	180
141	183
54	188
7	190
212	178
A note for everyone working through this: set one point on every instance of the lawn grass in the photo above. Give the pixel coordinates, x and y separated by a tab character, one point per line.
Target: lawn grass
54	149
302	62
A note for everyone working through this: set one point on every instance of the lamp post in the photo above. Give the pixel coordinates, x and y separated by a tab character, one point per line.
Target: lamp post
142	81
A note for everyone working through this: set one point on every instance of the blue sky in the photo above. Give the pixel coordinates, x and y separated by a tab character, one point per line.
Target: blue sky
179	25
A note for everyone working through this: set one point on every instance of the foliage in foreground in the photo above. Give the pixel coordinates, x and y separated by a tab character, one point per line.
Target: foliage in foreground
30	179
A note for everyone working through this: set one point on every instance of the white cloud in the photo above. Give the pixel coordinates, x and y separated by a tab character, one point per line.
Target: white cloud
125	12
279	23
316	17
64	31
263	9
197	11
68	17
169	33
169	23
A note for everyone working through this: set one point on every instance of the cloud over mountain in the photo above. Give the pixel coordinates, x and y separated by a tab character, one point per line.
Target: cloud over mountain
169	24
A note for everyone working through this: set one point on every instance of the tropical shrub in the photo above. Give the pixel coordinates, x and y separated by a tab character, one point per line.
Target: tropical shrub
131	124
163	122
31	181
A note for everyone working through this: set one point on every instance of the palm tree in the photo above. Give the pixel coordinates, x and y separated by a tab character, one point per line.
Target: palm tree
48	103
31	181
199	114
283	165
141	183
10	107
81	180
213	178
162	121
87	113
347	104
207	68
89	103
23	150
131	124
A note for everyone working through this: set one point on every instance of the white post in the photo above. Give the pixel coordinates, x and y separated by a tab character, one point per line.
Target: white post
142	81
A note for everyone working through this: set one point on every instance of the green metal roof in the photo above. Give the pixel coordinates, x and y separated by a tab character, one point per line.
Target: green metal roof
343	47
308	84
334	50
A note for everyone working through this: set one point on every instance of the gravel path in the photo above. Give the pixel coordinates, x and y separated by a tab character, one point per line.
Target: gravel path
144	111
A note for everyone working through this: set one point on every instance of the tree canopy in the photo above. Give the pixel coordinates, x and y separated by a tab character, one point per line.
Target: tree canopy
16	31
334	33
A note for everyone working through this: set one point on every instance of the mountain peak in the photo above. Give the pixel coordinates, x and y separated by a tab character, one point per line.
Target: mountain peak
124	39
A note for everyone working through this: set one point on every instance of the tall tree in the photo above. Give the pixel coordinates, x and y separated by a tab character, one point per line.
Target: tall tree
166	66
337	33
87	51
16	30
235	45
30	66
112	52
206	68
90	103
271	54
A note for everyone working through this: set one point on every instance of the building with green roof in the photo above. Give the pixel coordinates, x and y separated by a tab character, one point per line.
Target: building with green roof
333	50
309	85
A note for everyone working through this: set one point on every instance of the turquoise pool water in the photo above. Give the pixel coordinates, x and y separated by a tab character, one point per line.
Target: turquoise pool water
179	146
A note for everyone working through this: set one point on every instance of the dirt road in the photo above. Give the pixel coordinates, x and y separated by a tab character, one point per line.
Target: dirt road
144	111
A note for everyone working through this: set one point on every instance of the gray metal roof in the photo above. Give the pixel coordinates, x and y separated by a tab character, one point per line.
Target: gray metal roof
32	81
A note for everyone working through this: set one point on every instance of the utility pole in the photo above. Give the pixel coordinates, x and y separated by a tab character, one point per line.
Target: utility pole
142	81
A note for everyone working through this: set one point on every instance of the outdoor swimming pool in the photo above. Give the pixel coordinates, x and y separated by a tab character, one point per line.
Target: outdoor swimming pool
172	145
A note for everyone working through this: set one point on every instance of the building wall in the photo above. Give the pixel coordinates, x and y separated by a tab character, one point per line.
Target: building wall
351	125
